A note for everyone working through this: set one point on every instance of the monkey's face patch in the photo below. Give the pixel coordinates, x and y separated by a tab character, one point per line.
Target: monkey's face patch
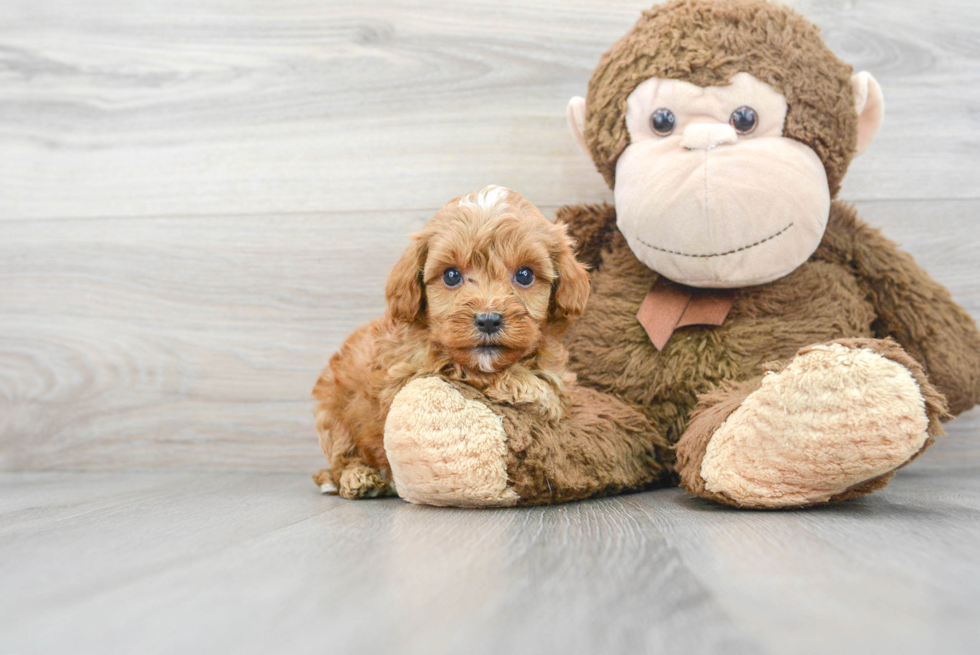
709	192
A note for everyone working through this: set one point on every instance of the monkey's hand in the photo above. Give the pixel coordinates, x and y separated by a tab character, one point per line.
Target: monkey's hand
450	445
445	449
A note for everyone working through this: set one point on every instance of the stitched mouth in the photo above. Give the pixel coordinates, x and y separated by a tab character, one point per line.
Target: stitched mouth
716	254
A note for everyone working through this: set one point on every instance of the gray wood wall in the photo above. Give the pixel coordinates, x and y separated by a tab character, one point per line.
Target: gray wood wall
200	199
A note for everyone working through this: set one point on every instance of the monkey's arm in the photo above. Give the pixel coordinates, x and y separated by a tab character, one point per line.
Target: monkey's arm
592	227
448	444
912	308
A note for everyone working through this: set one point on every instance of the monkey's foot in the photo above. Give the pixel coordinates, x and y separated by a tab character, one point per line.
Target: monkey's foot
445	449
835	422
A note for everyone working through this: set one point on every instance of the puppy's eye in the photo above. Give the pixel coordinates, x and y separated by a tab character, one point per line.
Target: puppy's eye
524	276
663	121
451	277
744	120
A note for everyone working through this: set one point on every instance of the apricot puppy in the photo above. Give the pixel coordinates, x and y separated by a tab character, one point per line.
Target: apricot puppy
481	296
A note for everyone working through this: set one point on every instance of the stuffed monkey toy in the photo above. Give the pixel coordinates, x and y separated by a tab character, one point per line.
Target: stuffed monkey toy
748	336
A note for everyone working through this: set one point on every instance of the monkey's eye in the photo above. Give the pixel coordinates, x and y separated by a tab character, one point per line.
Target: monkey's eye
524	276
451	277
744	120
663	121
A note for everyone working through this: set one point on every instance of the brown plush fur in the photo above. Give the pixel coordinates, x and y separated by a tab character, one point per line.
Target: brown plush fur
682	40
712	410
856	285
429	329
600	447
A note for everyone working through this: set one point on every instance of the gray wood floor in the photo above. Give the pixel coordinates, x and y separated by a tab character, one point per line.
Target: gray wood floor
165	562
200	199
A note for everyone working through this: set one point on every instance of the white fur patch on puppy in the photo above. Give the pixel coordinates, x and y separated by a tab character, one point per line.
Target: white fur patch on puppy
833	418
446	450
486	199
486	362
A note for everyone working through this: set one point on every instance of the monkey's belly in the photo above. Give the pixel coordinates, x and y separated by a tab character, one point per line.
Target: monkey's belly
611	352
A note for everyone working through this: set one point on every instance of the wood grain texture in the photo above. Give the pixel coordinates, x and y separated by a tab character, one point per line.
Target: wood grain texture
201	199
189	342
255	563
163	108
180	341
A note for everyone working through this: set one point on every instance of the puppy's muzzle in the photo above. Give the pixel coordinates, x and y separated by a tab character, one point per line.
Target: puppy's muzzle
489	323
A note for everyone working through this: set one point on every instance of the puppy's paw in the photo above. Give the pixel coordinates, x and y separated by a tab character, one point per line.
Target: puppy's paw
360	481
445	449
324	480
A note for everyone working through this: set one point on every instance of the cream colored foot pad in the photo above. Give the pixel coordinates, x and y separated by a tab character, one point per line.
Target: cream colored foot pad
834	417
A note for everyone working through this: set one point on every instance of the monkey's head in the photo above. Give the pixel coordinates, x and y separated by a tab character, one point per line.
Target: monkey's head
724	128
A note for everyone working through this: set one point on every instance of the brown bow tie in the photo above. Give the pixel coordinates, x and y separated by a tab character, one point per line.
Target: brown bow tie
669	306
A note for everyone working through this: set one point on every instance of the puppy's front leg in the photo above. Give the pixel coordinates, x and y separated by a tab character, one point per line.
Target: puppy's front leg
524	388
358	480
354	481
349	474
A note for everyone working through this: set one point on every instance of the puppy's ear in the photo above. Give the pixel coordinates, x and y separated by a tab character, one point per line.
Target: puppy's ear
405	292
572	284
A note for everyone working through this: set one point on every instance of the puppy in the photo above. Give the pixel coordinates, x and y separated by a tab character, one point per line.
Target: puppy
482	296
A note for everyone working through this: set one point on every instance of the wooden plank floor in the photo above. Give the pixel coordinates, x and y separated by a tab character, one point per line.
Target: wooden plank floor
165	562
200	199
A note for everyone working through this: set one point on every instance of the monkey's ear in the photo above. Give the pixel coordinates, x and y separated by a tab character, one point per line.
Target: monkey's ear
405	292
870	107
575	113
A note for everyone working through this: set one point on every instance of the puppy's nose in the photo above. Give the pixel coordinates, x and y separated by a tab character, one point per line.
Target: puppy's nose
489	323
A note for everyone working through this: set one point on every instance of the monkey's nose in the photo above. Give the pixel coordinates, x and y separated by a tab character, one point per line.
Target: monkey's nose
704	136
489	323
